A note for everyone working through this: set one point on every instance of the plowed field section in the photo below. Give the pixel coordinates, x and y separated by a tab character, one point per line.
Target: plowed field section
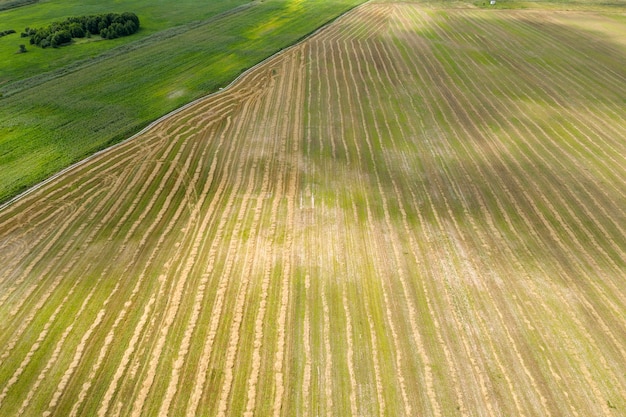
414	212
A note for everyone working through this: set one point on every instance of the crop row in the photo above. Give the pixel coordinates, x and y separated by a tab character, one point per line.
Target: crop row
399	216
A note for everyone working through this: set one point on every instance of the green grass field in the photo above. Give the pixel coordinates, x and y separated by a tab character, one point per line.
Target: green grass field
60	105
156	16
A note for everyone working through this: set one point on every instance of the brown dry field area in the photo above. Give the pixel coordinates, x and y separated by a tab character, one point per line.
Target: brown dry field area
416	211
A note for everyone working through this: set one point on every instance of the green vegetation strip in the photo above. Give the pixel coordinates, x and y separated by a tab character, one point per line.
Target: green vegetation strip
79	109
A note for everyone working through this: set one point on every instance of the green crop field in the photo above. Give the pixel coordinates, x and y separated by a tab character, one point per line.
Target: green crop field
60	105
420	210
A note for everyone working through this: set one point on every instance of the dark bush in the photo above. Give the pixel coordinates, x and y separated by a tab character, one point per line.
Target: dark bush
6	32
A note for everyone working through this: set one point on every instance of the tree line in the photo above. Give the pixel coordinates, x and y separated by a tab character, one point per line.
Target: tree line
107	25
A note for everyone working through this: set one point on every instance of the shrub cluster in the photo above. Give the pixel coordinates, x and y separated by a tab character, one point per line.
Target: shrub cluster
108	26
6	32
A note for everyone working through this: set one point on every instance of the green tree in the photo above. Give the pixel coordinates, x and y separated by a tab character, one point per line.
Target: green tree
59	38
76	30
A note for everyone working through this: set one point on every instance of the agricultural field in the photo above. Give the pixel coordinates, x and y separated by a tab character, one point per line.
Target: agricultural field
59	105
419	210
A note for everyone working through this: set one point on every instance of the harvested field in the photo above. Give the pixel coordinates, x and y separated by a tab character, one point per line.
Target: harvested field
416	211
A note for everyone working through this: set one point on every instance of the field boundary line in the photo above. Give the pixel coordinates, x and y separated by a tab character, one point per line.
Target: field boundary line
174	112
